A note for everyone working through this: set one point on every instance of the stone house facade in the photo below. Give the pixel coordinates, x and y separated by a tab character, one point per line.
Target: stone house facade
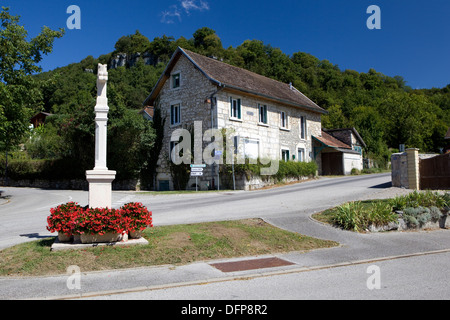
267	118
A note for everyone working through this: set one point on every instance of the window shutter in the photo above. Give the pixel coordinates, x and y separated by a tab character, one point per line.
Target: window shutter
171	115
239	108
266	120
231	107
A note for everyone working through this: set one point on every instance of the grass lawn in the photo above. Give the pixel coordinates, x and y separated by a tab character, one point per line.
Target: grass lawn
177	244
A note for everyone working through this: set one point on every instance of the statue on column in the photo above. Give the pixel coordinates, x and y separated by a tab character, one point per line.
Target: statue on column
100	178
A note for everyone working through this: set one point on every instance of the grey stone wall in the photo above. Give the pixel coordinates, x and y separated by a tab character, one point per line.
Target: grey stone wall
272	138
399	165
193	94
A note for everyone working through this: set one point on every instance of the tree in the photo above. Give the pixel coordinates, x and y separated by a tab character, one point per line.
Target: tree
163	48
335	119
19	60
132	44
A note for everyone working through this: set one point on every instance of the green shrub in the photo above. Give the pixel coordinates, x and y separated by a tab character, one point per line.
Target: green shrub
289	169
415	217
348	216
29	169
411	222
417	199
380	213
358	216
435	214
398	203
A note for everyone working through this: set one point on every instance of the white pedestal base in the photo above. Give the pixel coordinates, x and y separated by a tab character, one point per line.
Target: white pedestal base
100	188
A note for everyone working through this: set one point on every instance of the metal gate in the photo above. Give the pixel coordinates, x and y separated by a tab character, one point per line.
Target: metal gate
435	172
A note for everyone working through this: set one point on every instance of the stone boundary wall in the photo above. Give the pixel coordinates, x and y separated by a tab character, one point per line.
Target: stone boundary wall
75	184
254	182
405	168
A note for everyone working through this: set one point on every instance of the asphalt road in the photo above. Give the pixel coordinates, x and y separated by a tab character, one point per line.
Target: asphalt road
420	277
412	265
23	216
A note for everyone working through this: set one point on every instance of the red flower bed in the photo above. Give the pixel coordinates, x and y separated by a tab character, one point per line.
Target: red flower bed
136	216
72	219
63	218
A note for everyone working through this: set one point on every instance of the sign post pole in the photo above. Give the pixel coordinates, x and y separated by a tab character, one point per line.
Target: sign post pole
197	171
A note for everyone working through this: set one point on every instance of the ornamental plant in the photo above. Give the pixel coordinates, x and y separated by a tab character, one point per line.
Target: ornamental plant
63	218
136	217
100	221
72	219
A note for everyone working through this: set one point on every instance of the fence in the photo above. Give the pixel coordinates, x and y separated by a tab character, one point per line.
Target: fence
435	172
413	171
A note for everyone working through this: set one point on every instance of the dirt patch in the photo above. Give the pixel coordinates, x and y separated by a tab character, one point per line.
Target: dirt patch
256	222
178	240
220	231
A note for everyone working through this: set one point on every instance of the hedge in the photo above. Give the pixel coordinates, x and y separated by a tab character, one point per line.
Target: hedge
289	169
28	169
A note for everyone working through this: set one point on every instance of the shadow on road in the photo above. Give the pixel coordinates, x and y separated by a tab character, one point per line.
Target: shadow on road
382	186
33	236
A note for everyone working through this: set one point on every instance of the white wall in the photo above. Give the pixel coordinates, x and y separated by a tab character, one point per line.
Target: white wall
352	161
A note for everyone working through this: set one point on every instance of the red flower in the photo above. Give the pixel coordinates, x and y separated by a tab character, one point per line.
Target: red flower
72	219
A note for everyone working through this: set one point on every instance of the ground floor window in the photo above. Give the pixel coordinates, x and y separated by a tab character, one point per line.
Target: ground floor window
301	155
285	154
251	148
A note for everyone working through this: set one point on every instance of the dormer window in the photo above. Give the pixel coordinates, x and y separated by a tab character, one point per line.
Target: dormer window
176	80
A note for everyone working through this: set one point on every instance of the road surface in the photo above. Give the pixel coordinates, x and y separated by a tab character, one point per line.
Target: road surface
23	216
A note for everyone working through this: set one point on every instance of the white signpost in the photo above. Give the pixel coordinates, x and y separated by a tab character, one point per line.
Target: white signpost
197	171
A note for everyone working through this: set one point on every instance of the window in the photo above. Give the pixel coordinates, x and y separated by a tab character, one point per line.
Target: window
262	113
175	114
302	127
176	81
175	152
283	120
251	148
301	155
285	155
235	108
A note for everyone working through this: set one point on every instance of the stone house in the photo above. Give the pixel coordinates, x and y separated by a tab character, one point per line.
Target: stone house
341	151
267	117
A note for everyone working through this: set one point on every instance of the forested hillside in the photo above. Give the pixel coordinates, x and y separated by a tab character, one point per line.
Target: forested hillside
385	110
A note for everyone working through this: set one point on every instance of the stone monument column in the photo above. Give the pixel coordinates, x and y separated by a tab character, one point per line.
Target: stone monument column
100	178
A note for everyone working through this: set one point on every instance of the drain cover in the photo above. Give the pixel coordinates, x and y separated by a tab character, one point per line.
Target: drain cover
243	265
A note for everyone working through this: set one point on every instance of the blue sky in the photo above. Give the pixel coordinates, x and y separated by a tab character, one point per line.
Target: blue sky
413	41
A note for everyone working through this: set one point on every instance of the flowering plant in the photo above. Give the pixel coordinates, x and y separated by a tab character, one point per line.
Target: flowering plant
136	217
100	221
72	219
62	219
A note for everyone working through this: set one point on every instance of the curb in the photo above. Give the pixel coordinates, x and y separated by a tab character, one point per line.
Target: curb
237	277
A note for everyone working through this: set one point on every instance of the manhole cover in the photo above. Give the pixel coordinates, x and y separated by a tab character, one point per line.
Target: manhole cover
251	264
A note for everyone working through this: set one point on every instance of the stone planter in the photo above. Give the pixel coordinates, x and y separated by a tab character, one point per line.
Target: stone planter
62	237
106	238
136	234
